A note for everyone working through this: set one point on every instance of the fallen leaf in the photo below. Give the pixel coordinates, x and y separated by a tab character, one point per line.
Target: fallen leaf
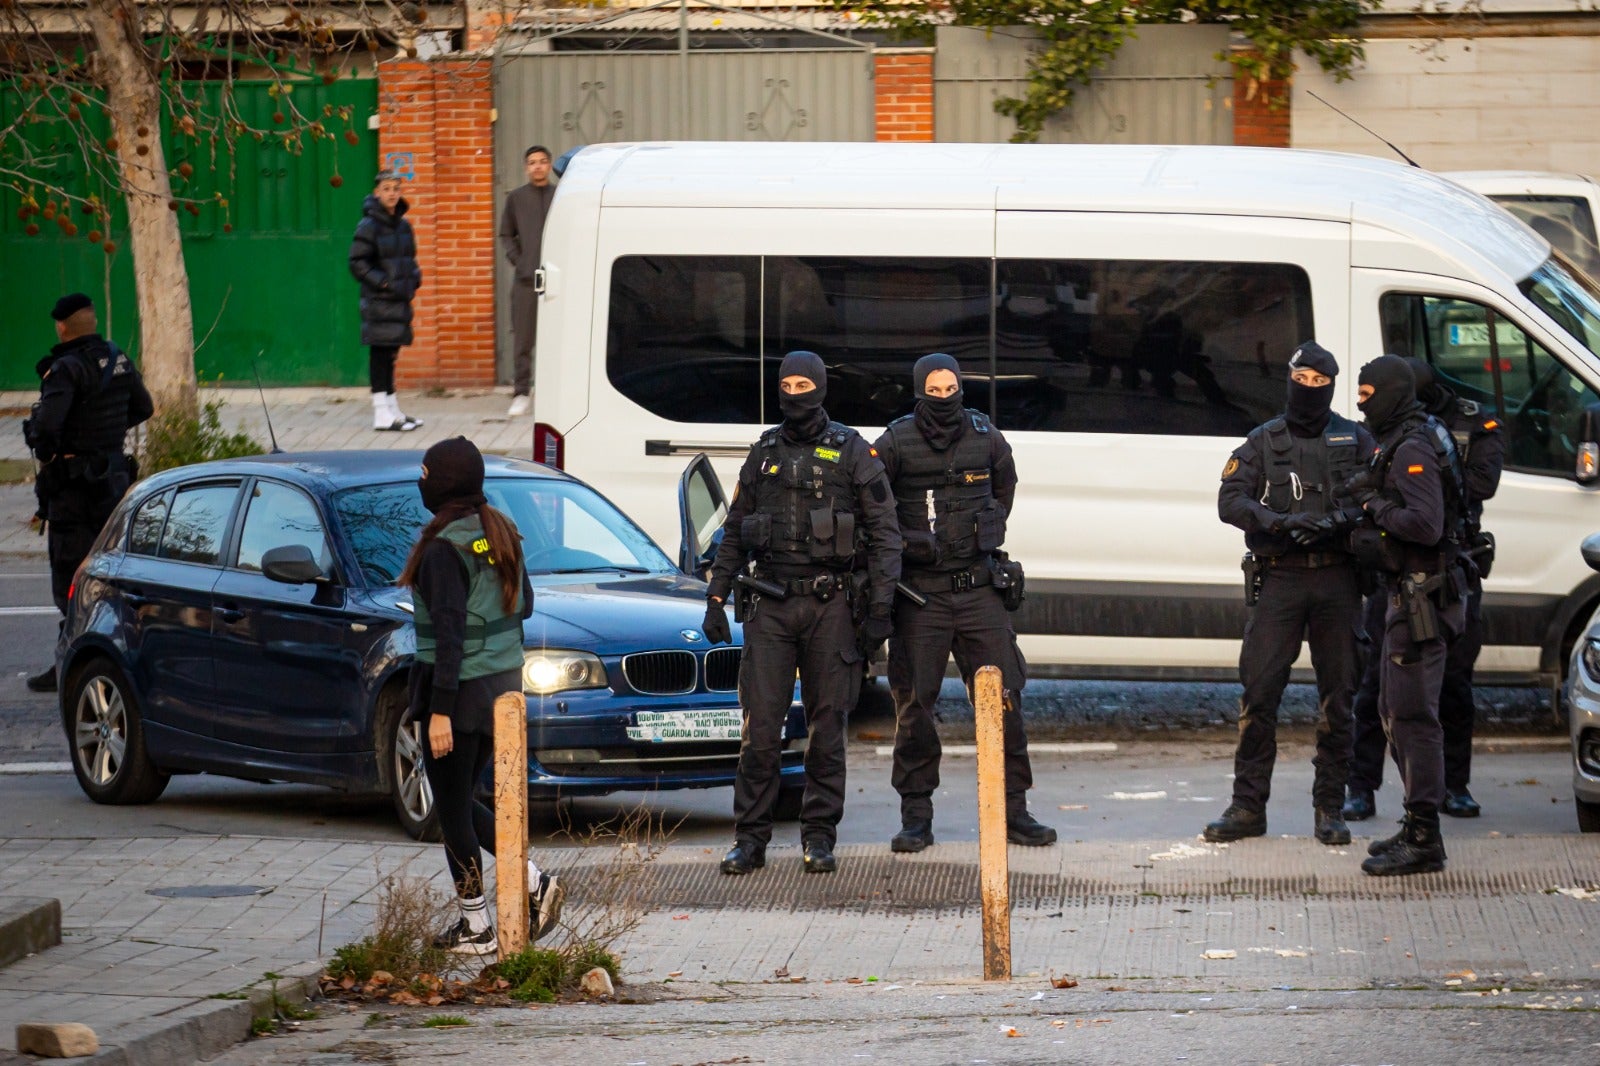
680	917
1220	953
435	999
1063	982
1010	1031
501	983
1059	1023
1073	807
349	982
675	973
381	977
1465	975
853	981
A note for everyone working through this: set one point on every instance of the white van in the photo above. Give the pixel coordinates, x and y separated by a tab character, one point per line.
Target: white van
1561	207
1123	313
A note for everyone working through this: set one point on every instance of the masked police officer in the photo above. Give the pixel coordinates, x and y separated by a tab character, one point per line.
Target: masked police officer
1282	488
810	535
1414	494
89	396
1482	450
954	481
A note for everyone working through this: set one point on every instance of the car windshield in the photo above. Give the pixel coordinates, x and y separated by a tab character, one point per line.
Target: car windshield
566	528
1570	297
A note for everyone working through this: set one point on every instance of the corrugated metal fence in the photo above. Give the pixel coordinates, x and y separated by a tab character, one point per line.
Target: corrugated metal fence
1166	86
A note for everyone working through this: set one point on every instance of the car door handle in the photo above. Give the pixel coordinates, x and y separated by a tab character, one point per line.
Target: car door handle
229	614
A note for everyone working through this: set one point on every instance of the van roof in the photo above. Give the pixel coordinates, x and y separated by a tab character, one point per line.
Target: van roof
1462	227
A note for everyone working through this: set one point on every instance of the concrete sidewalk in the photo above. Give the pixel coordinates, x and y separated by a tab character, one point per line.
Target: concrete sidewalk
303	420
155	930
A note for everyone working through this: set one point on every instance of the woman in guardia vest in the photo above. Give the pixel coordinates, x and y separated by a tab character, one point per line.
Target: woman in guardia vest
471	593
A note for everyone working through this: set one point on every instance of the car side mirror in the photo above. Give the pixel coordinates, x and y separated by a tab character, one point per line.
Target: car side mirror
1591	550
291	564
702	508
1587	465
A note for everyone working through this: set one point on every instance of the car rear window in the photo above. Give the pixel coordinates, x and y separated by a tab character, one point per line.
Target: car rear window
199	521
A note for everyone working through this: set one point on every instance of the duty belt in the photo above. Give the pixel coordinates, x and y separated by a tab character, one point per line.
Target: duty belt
953	581
1308	560
823	585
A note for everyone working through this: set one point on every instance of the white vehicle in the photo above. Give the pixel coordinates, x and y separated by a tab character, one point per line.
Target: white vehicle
1123	313
1561	207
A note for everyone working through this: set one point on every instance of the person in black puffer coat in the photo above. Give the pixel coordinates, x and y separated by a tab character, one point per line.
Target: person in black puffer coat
383	258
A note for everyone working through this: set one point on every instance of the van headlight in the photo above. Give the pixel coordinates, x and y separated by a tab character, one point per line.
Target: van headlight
549	670
1591	659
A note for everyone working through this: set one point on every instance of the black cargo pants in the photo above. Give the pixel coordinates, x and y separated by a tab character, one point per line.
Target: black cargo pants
1325	601
76	513
1457	711
819	638
1410	676
975	626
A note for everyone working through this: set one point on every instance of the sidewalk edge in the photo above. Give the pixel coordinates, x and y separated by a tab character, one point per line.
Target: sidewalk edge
28	925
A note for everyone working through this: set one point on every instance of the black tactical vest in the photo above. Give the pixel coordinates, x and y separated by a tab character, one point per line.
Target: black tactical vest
804	518
1440	439
98	419
1465	425
949	517
1301	475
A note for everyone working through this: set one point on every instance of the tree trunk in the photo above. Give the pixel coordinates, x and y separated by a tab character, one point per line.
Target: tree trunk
133	99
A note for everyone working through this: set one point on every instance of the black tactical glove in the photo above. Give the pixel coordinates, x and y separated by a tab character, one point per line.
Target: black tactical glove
873	632
1362	488
1319	529
715	626
1295	524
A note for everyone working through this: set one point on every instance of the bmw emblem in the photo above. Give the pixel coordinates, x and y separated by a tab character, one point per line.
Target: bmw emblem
691	635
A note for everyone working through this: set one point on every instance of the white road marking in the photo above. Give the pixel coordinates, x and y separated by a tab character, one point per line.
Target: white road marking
14	612
1072	748
35	768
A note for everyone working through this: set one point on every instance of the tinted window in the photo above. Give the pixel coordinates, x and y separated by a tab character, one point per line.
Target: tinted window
1487	358
1565	221
565	527
684	337
278	516
199	521
1127	346
146	534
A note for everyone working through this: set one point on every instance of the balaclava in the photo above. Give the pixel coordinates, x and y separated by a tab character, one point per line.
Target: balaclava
803	416
452	472
1394	393
1434	395
1307	407
939	418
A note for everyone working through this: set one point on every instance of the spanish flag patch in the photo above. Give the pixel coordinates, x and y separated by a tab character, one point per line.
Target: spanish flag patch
1491	424
1414	468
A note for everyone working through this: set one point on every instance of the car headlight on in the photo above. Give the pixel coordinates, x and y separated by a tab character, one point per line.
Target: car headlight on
549	670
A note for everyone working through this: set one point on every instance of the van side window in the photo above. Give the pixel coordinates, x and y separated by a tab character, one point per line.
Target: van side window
1130	346
683	339
1538	400
1565	221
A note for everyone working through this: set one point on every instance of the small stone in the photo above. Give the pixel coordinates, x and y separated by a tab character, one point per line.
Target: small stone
56	1040
596	983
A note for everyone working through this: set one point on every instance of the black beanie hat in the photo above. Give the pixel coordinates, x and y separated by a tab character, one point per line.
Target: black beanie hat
808	365
452	471
927	365
1313	356
70	305
1394	392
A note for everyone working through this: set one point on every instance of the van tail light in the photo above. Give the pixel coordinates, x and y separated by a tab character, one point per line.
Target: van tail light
549	447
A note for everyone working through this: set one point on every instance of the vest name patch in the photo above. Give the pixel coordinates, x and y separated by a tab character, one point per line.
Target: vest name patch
1341	438
972	477
830	454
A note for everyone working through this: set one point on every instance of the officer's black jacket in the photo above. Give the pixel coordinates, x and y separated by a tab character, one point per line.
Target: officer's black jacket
1482	447
874	509
75	378
1002	465
1243	481
1411	505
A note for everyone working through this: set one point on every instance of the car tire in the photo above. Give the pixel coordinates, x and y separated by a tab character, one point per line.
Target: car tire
790	799
105	735
1588	816
400	747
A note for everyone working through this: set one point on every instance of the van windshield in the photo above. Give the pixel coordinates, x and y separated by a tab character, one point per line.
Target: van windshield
1570	297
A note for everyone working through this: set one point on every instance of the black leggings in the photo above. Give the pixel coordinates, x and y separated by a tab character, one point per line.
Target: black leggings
380	367
466	822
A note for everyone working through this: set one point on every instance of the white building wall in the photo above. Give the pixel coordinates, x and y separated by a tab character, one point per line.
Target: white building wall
1522	103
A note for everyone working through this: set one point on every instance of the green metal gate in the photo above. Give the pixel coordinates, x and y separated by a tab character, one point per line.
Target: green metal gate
267	263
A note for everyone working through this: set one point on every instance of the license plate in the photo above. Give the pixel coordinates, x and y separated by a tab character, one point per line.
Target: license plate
662	727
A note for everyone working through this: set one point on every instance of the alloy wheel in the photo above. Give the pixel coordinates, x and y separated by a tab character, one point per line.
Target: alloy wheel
100	733
411	778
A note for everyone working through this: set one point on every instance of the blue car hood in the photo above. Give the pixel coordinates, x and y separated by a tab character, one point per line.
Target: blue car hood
616	614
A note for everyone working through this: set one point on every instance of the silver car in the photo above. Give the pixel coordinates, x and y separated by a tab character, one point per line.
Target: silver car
1583	709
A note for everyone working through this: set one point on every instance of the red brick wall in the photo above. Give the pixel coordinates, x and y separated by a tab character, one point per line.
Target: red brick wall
903	92
435	119
1260	112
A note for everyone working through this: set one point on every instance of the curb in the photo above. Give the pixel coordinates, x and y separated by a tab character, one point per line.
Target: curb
28	925
205	1028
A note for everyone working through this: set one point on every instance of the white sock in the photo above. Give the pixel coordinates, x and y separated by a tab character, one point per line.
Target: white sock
476	912
381	417
533	875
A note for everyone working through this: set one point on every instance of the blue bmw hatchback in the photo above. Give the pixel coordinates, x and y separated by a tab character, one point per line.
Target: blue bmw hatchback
241	618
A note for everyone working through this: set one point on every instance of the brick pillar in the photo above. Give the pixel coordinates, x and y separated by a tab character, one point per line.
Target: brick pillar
1260	112
902	89
435	128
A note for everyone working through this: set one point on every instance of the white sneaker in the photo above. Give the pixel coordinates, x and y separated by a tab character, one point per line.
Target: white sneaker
410	423
461	940
544	906
519	406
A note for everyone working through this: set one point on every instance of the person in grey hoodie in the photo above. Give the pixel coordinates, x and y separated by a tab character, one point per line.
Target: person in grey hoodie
521	228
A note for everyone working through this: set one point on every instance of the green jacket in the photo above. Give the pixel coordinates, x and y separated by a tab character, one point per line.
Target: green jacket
493	640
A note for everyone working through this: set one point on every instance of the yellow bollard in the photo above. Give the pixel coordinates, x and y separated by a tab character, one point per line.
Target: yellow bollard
511	821
993	865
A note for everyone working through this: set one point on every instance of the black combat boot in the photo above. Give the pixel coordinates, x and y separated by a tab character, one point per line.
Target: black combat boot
818	857
1417	849
743	857
1383	844
1458	803
43	681
1330	827
1360	805
915	835
1236	823
1023	828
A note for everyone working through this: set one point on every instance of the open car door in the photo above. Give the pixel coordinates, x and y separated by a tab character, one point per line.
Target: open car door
702	508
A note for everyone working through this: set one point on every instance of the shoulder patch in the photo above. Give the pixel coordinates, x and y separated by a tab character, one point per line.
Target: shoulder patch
1231	466
1414	468
1492	424
872	451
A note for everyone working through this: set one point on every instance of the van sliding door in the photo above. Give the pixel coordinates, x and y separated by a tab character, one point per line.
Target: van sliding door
1132	354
